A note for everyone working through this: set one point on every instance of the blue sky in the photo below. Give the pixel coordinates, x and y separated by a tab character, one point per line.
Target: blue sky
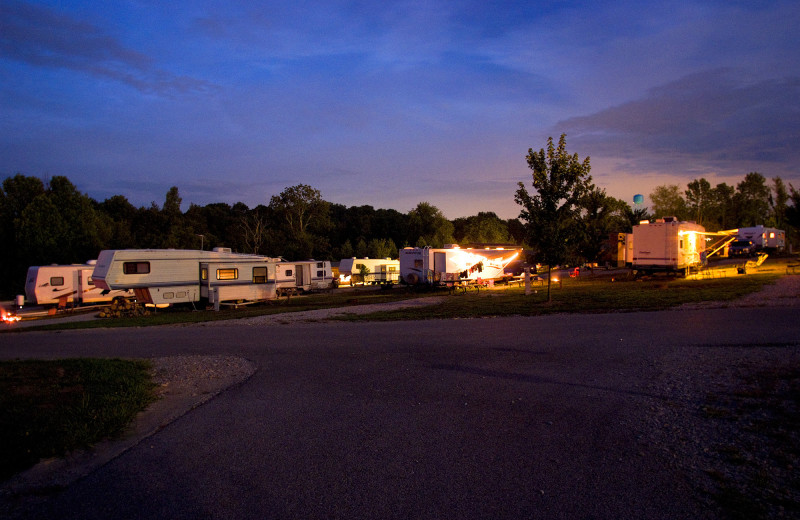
393	103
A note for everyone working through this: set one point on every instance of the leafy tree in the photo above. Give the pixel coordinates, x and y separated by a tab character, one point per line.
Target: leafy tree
429	226
752	200
698	200
668	202
305	217
721	214
484	228
793	215
779	203
634	216
381	248
119	215
560	182
600	216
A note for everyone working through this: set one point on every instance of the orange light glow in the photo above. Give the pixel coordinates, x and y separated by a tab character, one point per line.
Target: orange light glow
9	318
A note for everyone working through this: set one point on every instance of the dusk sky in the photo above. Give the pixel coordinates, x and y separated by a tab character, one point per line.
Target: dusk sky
392	103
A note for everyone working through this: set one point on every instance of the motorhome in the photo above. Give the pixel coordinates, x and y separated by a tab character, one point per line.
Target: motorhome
354	270
66	285
452	264
667	245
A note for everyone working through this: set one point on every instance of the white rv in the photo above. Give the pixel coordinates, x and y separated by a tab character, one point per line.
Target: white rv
453	264
377	270
66	285
667	245
763	237
160	276
169	276
303	276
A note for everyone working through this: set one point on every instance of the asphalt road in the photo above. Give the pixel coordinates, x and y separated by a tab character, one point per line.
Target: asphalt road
545	417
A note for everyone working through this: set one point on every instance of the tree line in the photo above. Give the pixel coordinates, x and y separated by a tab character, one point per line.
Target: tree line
564	219
53	223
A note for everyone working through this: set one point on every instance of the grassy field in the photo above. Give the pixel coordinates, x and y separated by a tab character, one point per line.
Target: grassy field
587	295
50	408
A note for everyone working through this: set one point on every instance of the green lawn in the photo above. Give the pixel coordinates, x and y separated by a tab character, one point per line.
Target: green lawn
49	408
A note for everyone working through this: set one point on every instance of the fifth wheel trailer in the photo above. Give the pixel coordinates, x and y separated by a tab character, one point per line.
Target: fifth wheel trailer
160	276
170	276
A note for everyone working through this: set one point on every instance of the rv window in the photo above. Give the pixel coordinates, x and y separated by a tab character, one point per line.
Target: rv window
90	282
418	263
259	275
320	274
227	274
136	267
319	265
56	280
204	273
288	272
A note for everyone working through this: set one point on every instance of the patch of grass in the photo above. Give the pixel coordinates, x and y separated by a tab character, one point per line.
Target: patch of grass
583	296
50	408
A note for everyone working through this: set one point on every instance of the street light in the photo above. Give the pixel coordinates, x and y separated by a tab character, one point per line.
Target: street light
202	238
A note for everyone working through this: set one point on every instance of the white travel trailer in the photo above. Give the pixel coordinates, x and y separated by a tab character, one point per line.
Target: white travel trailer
66	285
667	245
303	276
257	279
377	270
763	237
169	276
161	276
452	264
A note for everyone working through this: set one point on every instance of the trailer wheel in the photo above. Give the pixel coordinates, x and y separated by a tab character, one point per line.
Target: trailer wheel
412	279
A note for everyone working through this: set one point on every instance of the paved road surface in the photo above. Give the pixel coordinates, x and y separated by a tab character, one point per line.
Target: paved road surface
545	417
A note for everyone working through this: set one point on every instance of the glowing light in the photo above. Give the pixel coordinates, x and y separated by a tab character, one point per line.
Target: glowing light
9	318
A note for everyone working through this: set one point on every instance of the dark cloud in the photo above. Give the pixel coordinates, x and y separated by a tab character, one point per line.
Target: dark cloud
713	118
46	38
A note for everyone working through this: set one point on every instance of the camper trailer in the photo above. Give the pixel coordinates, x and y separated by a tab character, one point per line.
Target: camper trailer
354	270
763	237
667	245
170	276
161	276
66	285
452	264
303	276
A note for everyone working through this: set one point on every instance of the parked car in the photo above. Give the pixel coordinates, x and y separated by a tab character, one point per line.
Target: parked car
741	248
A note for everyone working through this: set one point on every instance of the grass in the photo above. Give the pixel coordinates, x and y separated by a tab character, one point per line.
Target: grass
588	295
50	408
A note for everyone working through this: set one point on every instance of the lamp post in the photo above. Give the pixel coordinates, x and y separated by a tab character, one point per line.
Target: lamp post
202	239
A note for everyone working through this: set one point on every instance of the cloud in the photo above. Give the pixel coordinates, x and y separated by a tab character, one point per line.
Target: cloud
46	38
716	120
